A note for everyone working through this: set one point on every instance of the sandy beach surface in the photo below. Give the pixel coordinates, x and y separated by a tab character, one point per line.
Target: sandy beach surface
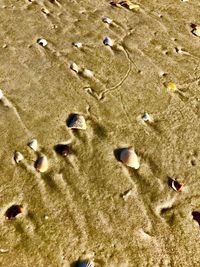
87	204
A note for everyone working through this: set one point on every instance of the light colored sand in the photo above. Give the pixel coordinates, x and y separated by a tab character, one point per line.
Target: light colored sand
96	207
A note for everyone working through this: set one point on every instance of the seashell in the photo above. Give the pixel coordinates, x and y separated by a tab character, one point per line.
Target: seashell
171	87
196	31
42	42
129	158
18	157
129	5
33	144
196	216
85	264
108	41
106	20
62	149
45	11
1	94
146	117
41	164
176	185
87	73
76	121
13	211
77	44
75	67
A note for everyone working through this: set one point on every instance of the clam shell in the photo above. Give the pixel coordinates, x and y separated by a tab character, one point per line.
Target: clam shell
42	42
18	157
33	144
108	41
13	211
77	44
41	164
196	216
75	67
106	20
196	31
76	121
176	185
85	264
129	158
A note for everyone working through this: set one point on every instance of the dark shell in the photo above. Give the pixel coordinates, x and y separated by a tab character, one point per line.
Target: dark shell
13	211
84	264
196	216
62	149
174	184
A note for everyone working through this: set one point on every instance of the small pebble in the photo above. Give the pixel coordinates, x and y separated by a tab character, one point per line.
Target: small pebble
76	121
13	211
129	158
77	44
42	42
108	41
18	156
106	20
33	144
87	73
75	67
41	164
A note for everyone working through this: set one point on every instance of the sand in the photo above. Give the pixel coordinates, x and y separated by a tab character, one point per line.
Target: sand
89	205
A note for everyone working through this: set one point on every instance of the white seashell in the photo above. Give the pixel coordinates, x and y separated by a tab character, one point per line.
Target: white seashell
77	44
75	67
108	41
1	94
18	157
76	121
196	31
42	42
87	73
106	20
33	144
41	164
129	158
146	117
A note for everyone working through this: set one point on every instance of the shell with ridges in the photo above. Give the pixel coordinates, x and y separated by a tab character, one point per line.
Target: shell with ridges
85	264
129	158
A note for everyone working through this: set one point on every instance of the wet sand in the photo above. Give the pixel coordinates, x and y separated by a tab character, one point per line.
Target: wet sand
88	204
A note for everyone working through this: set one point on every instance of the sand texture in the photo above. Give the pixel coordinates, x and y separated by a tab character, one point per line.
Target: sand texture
80	201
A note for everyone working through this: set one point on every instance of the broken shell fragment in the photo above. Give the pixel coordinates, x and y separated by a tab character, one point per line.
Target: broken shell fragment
85	264
129	5
106	20
196	31
77	44
196	216
1	94
41	164
175	184
76	121
62	149
146	117
42	42
129	158
13	211
18	156
108	41
33	144
74	67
